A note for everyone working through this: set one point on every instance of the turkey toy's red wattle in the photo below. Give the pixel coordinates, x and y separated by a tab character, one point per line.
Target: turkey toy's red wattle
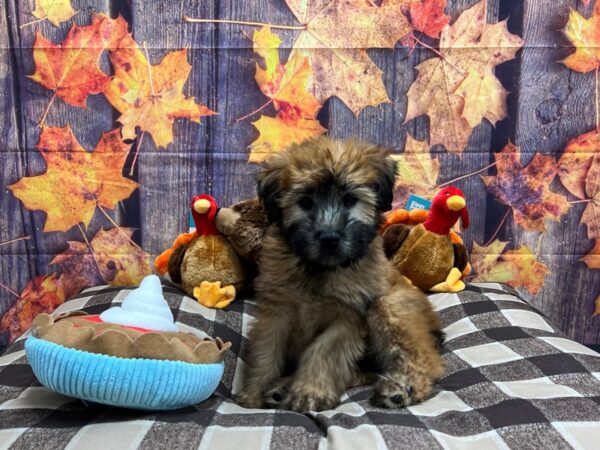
204	210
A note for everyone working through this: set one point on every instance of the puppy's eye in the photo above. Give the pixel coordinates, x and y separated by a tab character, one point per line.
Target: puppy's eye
349	200
306	203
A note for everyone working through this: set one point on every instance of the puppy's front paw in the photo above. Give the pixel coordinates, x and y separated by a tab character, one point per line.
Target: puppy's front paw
277	395
311	399
249	398
393	393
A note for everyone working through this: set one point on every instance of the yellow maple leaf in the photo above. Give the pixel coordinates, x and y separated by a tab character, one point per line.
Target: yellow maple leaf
484	97
468	45
287	86
76	181
336	36
517	268
276	134
56	11
584	34
418	171
150	96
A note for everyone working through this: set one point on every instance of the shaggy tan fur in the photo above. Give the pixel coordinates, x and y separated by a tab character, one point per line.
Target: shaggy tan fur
314	327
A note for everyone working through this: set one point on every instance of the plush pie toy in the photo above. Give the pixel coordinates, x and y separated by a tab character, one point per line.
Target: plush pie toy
131	355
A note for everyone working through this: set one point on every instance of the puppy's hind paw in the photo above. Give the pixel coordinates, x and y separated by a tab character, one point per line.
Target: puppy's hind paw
249	399
311	400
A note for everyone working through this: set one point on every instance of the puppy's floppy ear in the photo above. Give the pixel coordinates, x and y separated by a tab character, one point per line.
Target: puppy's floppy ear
269	190
386	180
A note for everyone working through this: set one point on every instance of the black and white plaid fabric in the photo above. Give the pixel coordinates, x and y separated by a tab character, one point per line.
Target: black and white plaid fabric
512	381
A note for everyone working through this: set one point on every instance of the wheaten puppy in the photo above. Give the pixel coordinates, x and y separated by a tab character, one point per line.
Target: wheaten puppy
327	296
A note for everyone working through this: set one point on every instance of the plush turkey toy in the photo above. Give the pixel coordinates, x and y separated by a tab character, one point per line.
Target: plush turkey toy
425	253
203	262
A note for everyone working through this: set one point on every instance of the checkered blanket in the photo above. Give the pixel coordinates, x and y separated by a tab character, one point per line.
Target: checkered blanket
512	381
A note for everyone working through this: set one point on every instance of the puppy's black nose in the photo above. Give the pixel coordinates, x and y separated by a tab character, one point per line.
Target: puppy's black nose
328	238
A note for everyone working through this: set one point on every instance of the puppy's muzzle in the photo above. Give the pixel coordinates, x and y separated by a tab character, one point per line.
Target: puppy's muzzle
328	238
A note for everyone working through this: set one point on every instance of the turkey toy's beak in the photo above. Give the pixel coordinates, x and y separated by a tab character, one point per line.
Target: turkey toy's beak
456	203
202	206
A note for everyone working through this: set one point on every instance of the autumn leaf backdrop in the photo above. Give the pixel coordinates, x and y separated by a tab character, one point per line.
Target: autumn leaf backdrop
115	113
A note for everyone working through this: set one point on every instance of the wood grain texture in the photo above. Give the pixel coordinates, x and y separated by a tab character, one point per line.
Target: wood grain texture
548	105
556	105
17	260
31	100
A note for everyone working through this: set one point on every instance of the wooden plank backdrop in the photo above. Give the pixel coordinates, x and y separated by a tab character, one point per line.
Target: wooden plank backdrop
549	104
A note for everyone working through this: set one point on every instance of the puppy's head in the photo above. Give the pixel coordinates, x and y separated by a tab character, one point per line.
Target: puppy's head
328	197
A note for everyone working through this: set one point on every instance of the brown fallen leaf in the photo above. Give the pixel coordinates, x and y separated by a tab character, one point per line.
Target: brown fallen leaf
418	172
526	189
86	179
469	47
42	294
517	268
592	259
115	260
591	214
336	36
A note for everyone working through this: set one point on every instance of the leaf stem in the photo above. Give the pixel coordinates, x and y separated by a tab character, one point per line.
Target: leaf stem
586	200
91	249
137	152
116	225
446	183
43	119
255	111
244	22
33	22
22	238
596	100
149	70
3	286
490	240
441	55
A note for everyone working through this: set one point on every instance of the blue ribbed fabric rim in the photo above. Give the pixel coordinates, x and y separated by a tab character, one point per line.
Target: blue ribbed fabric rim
148	384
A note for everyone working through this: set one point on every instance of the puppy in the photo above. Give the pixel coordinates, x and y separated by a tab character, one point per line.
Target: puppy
327	295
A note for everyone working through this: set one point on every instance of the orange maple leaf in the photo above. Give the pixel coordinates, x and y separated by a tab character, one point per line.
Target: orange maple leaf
336	35
526	189
459	89
418	171
518	268
576	160
71	69
76	181
579	170
428	16
42	294
584	34
287	85
113	259
150	96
